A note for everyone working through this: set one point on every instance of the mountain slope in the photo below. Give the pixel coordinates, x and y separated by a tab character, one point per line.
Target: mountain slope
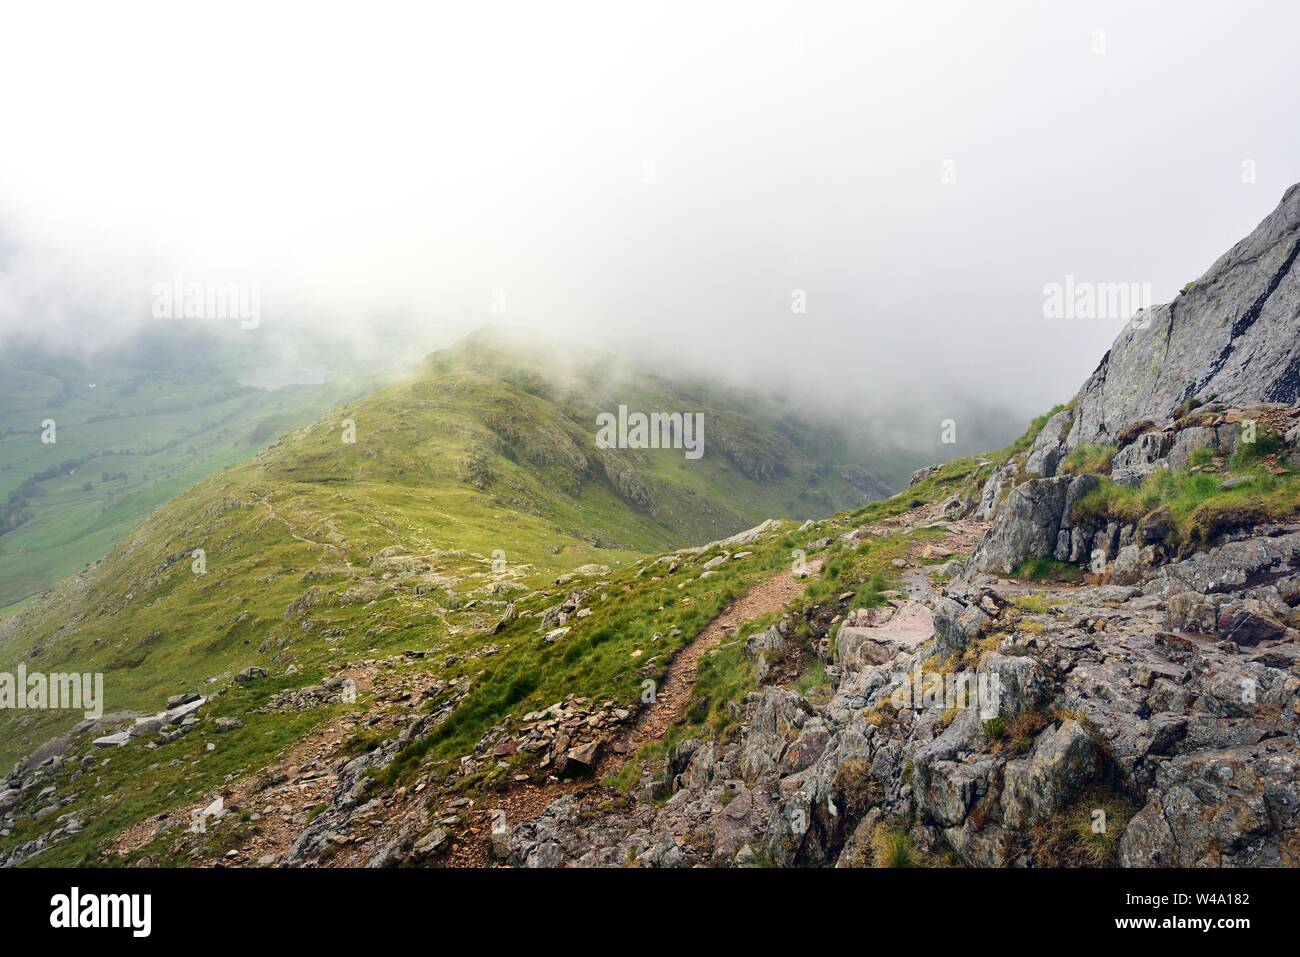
478	465
1123	619
1112	678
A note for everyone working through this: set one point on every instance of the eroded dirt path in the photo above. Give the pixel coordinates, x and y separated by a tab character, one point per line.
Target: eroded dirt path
522	803
773	595
331	549
769	596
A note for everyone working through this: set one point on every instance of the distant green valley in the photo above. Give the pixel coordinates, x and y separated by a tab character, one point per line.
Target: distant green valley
131	432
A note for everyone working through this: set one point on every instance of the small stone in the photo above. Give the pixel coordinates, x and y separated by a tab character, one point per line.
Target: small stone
435	842
500	834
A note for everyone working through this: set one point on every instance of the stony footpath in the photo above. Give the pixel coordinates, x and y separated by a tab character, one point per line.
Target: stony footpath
574	743
1145	715
1118	735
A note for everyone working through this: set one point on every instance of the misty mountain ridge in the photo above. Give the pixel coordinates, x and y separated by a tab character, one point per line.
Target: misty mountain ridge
457	631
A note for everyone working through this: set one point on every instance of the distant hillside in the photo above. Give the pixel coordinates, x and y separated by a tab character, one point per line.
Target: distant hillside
487	452
525	411
132	430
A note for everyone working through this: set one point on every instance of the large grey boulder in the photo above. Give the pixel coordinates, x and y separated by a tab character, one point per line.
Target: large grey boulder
923	473
991	493
1228	567
1049	445
956	626
944	785
1063	761
1233	334
775	718
1248	622
1015	683
1028	523
1192	611
1140	458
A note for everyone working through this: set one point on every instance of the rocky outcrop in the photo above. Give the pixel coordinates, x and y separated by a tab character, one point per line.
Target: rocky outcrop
1237	806
923	473
996	488
1206	372
1103	708
1030	523
628	483
1234	334
1141	457
1049	445
1036	518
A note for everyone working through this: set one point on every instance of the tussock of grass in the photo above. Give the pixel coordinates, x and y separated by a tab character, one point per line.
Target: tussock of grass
892	848
1088	460
869	594
1017	733
864	572
724	676
1025	441
1250	455
854	785
1044	569
1036	604
880	716
1086	834
814	676
624	778
976	650
1201	458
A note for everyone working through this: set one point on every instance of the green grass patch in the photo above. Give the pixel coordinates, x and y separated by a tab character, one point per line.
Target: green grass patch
1199	509
138	783
1088	460
1044	569
869	592
812	678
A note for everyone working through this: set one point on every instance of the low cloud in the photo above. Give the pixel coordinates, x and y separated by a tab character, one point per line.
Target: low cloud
855	207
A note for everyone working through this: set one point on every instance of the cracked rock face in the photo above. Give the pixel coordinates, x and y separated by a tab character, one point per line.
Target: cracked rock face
1238	806
1029	522
1234	334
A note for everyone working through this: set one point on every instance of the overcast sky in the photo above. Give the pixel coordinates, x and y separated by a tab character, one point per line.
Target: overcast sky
649	175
